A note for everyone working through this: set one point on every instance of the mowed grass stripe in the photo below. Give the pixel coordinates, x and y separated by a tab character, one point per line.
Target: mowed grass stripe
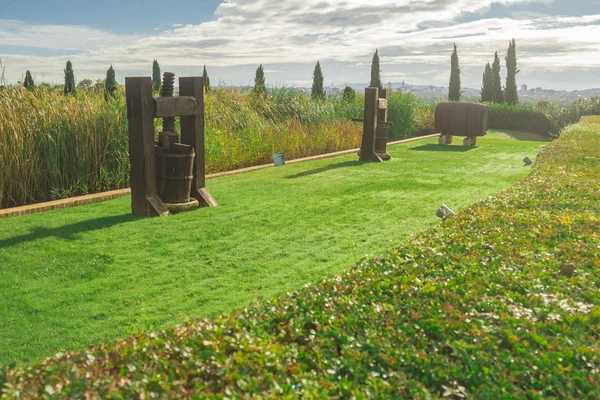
79	276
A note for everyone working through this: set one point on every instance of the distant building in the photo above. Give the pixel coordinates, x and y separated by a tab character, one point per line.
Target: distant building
523	88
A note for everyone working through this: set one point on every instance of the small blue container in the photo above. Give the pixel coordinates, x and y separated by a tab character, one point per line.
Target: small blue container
278	159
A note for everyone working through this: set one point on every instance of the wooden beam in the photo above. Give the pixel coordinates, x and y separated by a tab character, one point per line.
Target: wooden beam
192	133
180	106
383	126
367	148
140	114
382	113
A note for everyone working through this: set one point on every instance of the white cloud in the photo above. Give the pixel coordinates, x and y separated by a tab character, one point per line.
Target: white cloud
298	32
72	37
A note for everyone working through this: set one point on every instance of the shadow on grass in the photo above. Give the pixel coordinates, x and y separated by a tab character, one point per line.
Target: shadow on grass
326	168
68	232
443	147
528	137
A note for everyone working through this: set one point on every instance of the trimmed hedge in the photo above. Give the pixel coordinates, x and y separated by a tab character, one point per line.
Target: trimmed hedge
518	118
476	307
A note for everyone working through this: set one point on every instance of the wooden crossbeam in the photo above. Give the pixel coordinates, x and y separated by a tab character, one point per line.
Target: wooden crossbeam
179	106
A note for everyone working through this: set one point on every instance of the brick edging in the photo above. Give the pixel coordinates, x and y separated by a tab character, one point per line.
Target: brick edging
114	194
63	203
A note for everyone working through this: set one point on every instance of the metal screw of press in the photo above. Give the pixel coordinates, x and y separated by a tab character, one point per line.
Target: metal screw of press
168	136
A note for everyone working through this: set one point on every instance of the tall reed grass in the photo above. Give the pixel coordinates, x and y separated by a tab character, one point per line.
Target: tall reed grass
244	130
54	146
401	111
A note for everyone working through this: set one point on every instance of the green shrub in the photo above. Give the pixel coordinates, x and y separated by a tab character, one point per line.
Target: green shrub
474	308
587	106
518	118
424	116
349	94
401	108
558	116
544	117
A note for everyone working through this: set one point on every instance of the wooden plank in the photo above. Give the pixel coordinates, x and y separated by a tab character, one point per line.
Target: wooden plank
192	127
180	106
382	135
382	112
205	198
367	148
192	133
158	207
140	114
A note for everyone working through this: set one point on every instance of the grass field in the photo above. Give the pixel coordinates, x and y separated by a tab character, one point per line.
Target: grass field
80	276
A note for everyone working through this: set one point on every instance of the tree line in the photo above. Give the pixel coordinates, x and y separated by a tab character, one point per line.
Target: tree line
317	89
110	84
491	89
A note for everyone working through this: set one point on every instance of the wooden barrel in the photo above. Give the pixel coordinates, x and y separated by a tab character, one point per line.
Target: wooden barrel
461	119
175	173
381	136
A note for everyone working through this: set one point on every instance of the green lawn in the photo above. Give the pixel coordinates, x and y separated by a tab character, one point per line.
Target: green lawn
79	276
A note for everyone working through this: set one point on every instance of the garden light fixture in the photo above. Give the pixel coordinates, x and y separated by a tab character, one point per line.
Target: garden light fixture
444	212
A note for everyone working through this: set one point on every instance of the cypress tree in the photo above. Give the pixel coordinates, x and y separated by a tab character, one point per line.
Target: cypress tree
69	79
28	82
376	72
259	81
487	90
454	92
110	84
317	91
206	80
498	96
349	94
156	78
511	94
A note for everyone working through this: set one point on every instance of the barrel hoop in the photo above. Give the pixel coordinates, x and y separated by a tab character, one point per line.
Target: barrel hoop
166	155
177	178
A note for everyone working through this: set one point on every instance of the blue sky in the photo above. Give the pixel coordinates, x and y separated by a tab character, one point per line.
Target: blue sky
119	16
557	40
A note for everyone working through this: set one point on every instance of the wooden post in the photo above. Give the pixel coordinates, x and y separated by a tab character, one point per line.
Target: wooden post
382	113
445	139
140	113
367	149
382	130
470	141
192	133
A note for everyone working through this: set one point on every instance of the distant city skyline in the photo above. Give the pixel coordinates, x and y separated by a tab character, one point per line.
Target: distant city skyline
557	45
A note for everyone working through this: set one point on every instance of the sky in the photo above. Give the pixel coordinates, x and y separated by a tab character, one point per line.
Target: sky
558	41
